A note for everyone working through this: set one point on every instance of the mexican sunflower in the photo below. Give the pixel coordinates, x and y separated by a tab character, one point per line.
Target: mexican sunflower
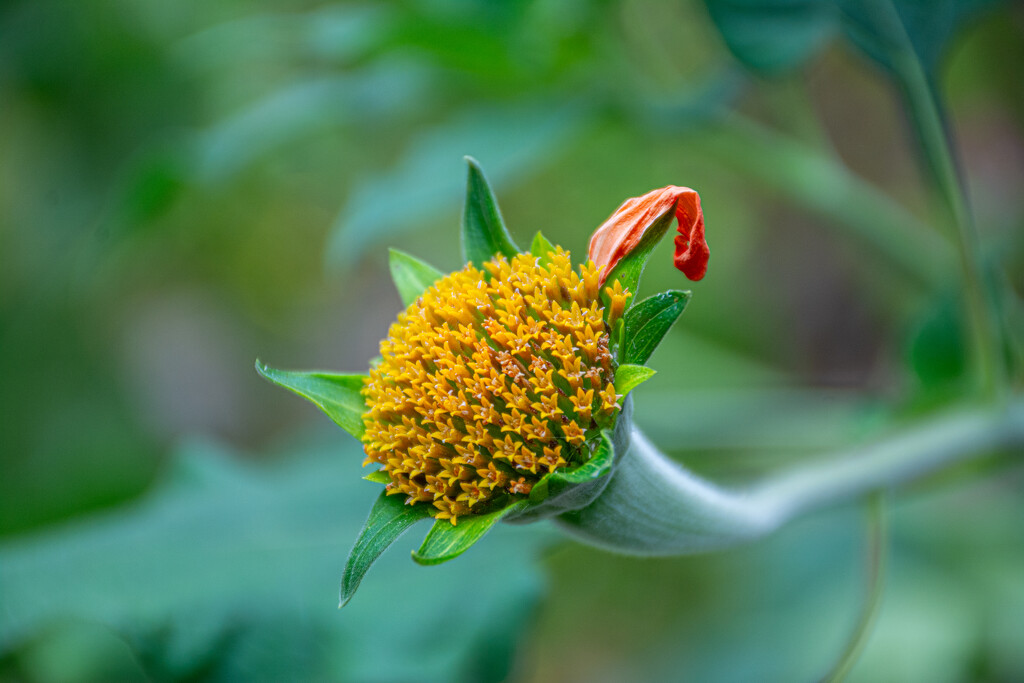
501	391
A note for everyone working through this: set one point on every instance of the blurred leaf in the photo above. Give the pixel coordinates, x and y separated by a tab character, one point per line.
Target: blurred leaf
629	269
772	37
149	186
886	29
342	33
484	234
446	541
389	518
816	179
511	139
908	38
302	109
337	395
629	377
963	543
649	321
937	351
777	36
412	276
228	571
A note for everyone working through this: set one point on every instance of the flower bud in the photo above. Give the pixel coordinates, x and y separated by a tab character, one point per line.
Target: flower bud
621	233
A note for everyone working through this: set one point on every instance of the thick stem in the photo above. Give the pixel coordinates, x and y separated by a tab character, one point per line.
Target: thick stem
652	506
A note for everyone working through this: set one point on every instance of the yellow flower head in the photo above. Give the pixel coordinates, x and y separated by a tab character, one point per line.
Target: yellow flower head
490	380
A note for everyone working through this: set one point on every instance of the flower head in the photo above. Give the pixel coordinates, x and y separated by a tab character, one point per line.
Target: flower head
489	380
502	389
621	233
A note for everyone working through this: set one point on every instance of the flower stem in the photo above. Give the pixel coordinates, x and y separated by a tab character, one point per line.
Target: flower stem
877	549
652	506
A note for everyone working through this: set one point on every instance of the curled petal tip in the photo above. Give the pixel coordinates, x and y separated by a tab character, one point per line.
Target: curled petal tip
692	251
621	233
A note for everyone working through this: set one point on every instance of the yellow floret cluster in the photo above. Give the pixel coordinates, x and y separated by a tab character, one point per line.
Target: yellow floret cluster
491	380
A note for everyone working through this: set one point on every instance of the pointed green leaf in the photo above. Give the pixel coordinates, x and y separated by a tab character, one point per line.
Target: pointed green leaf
629	377
337	395
412	276
389	518
599	465
628	270
445	541
648	322
483	230
541	247
378	477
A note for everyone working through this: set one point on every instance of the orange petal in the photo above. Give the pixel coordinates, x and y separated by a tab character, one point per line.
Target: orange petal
620	234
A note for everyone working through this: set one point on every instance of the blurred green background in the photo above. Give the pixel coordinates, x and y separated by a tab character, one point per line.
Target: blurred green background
187	186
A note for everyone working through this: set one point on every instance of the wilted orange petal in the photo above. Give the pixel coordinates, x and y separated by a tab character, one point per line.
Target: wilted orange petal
620	234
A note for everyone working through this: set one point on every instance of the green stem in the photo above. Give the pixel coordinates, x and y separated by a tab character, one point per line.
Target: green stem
877	547
925	110
652	506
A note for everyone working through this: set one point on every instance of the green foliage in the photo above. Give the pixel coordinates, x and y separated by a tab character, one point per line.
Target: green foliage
484	234
337	395
509	138
389	518
412	276
936	346
773	37
890	31
446	541
227	571
778	36
629	377
648	322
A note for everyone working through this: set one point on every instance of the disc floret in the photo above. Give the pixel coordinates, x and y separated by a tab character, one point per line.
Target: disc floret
490	380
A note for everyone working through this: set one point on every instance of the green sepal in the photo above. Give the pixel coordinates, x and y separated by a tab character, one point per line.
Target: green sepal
483	230
337	395
629	377
446	541
389	518
541	248
412	276
557	482
378	477
648	322
575	488
629	269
